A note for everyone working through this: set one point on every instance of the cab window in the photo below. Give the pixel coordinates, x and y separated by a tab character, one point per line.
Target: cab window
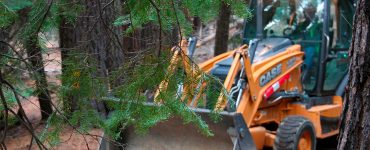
341	33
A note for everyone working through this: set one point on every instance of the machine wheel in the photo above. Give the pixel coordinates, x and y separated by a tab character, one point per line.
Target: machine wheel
295	133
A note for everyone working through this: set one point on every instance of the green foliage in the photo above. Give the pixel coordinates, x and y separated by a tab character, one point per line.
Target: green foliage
53	19
37	17
16	5
25	92
11	74
67	10
173	13
129	104
86	84
85	119
6	16
80	82
52	130
128	100
8	11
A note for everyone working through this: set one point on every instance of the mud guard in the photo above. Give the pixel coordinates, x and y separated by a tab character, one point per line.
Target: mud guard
244	138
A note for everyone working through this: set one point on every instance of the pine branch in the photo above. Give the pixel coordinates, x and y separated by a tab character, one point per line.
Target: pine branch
26	122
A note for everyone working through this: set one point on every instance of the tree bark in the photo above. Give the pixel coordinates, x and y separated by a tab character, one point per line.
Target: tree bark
107	48
93	34
222	30
30	41
67	43
35	57
355	121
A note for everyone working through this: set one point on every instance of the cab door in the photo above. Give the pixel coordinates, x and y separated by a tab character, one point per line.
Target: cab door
337	64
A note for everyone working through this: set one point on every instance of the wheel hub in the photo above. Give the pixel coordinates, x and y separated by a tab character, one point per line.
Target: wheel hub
305	141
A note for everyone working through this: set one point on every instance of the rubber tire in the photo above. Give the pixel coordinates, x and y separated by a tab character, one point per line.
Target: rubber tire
290	131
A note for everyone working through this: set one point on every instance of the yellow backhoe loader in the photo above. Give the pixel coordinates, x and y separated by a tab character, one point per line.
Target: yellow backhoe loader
287	81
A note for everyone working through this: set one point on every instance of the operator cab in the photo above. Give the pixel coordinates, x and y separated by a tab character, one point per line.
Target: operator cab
303	23
285	23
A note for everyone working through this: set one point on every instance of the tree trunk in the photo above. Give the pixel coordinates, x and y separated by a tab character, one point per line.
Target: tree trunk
30	41
197	26
67	43
355	121
222	30
35	57
106	46
93	34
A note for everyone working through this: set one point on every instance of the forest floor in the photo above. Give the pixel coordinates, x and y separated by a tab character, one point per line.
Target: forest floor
18	138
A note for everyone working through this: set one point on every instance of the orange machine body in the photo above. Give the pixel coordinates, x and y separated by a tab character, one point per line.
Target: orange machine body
257	110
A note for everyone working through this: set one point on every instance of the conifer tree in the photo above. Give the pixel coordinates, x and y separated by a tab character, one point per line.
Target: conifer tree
112	51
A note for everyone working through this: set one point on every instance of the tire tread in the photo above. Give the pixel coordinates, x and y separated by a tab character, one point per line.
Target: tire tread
287	132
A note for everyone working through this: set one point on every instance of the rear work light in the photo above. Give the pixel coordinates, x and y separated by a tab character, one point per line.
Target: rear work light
274	87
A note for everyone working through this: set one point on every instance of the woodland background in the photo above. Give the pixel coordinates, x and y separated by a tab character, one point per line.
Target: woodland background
118	50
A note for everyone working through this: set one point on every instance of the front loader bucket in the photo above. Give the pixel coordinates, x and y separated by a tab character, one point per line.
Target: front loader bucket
173	134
